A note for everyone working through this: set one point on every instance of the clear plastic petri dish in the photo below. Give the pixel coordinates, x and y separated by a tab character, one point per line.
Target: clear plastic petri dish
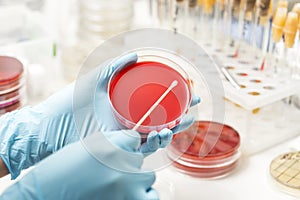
206	150
135	89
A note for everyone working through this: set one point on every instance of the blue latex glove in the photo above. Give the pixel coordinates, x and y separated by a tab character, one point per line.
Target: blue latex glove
32	133
74	174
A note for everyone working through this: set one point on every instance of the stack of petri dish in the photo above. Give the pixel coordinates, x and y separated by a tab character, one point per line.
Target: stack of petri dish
206	150
12	84
101	19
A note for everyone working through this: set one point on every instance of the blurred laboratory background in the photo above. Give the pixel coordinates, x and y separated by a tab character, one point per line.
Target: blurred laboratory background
254	43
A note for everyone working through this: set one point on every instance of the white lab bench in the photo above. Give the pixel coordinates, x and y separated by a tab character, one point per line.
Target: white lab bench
250	181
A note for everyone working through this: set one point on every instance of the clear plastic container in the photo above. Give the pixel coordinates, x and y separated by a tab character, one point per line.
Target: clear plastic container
206	150
134	89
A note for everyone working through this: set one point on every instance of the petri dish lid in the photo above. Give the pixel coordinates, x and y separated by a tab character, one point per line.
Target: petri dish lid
11	69
206	141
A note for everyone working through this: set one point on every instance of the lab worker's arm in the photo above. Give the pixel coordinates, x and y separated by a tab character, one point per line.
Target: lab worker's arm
100	167
33	133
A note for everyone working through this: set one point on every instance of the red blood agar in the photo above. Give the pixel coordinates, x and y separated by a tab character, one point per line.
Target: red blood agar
11	69
11	82
136	88
187	149
10	108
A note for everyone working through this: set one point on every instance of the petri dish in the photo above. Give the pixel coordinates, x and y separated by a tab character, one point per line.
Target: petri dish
12	84
16	105
285	172
134	89
206	150
11	70
12	97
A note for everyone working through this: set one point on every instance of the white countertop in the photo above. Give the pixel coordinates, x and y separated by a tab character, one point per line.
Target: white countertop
250	181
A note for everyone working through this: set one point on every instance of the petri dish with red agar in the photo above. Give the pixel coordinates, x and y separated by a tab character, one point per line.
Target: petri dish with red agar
12	84
207	150
135	89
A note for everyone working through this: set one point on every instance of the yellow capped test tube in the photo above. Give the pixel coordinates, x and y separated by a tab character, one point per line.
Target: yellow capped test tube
290	29
221	4
278	24
265	8
296	9
208	6
200	2
281	4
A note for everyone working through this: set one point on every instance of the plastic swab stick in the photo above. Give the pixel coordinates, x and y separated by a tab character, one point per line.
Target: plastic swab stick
172	85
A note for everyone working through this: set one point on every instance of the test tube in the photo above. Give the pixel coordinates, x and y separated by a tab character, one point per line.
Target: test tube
179	15
245	18
296	70
277	31
265	21
217	24
261	11
206	19
231	8
192	18
234	15
290	31
296	9
281	4
164	13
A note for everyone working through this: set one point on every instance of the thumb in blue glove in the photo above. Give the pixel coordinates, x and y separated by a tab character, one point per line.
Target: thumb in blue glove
109	170
163	138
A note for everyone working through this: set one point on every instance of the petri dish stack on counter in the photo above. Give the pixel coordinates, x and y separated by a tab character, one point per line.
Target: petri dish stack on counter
12	84
151	94
101	19
208	150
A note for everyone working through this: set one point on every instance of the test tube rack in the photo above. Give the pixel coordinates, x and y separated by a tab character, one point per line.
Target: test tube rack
261	107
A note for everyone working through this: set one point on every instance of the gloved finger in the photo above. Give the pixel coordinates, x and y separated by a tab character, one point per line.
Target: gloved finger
127	140
152	143
195	100
166	136
152	194
144	190
185	123
119	64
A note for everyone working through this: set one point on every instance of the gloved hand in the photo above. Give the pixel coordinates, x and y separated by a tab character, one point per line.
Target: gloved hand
155	140
75	174
32	133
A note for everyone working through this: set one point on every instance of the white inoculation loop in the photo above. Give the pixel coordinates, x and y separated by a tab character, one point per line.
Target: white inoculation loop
172	85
